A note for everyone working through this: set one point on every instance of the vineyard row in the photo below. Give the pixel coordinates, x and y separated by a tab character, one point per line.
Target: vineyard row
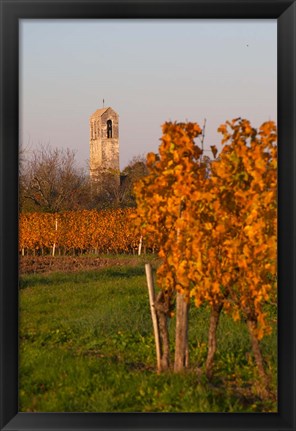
108	231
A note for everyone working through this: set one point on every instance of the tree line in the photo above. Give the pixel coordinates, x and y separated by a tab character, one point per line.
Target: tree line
50	180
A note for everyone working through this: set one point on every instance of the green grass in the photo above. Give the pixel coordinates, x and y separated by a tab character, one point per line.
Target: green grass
86	345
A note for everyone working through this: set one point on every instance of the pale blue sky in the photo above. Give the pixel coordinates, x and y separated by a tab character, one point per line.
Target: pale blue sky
149	71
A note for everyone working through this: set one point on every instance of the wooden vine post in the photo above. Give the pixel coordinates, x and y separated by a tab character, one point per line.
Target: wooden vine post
140	246
54	244
151	292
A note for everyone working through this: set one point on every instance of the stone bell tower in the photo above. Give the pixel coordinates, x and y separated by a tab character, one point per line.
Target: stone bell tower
104	144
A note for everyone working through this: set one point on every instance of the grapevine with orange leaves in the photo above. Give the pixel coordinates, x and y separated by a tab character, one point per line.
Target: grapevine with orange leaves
108	231
215	222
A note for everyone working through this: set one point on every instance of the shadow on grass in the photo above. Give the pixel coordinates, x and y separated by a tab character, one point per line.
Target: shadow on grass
125	272
246	395
33	280
43	280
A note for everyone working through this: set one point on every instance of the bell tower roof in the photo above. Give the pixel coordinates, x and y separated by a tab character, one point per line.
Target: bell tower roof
99	112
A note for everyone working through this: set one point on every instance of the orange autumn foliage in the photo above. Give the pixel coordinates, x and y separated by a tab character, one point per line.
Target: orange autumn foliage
214	221
108	231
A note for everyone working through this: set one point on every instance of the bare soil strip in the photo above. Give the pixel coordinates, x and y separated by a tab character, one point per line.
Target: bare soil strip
48	264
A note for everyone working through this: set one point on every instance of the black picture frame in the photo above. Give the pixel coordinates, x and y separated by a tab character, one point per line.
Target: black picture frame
14	10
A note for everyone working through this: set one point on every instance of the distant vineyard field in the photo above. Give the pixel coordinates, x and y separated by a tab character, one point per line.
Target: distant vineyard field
78	232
